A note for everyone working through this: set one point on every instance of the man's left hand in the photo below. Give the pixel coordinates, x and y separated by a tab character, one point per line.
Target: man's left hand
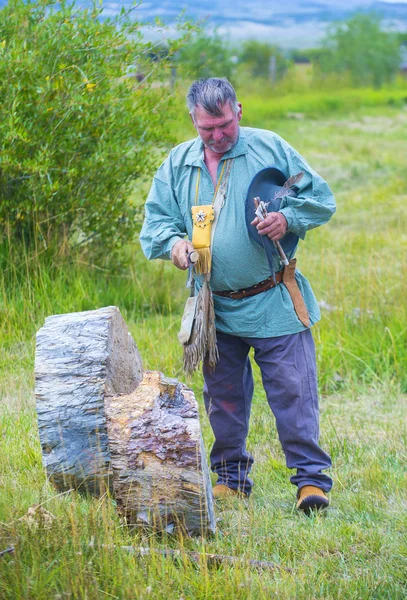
274	226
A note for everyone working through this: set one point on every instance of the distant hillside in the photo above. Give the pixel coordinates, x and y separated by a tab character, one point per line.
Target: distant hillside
298	23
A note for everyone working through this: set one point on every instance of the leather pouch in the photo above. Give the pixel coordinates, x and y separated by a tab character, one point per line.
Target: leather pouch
187	322
202	219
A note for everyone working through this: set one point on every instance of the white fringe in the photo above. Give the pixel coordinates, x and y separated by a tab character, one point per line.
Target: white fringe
202	343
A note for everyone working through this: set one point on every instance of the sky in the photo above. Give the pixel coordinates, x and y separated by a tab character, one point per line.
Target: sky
293	24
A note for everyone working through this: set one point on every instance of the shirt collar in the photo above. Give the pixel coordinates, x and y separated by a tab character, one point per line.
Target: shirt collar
195	155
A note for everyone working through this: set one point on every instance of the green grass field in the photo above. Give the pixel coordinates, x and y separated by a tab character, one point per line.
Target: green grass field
357	265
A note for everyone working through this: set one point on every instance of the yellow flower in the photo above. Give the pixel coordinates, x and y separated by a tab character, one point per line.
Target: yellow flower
90	86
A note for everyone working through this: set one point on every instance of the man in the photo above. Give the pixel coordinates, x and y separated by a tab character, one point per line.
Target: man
266	321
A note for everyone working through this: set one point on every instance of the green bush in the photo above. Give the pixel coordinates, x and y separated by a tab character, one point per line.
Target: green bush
83	114
205	55
361	48
255	57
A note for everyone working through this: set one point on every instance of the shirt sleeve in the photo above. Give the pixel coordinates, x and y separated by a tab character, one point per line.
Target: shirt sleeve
314	204
163	222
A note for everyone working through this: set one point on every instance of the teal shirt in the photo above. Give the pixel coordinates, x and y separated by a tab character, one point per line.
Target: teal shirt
237	261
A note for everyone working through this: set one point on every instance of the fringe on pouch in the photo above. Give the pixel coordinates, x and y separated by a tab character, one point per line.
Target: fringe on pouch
202	343
203	266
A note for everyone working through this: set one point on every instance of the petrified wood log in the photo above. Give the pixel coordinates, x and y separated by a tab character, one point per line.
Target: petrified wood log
103	424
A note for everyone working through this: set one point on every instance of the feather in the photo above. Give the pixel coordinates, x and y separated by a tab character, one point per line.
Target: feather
288	185
291	181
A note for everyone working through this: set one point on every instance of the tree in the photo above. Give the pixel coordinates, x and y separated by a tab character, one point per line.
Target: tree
361	48
76	127
256	56
205	55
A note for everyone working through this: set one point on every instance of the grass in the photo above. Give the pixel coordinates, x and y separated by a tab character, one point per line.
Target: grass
357	265
358	549
313	104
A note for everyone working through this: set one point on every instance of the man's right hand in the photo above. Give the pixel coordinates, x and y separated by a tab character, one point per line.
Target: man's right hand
179	254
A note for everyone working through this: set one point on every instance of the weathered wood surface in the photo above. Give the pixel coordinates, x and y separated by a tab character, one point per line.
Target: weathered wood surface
81	357
158	460
103	424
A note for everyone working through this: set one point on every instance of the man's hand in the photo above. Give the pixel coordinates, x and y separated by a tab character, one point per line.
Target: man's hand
179	254
274	226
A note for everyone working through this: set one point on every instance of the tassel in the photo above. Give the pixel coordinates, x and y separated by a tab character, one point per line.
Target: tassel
212	353
203	266
202	343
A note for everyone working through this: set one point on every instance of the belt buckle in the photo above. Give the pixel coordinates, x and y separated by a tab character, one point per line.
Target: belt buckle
234	292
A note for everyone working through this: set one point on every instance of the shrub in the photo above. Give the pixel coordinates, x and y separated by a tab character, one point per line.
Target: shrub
361	48
255	57
83	113
205	55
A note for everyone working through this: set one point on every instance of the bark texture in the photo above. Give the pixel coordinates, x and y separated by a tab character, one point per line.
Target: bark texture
103	424
160	474
80	358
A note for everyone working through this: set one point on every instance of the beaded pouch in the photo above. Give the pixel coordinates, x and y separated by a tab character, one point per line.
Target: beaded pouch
202	219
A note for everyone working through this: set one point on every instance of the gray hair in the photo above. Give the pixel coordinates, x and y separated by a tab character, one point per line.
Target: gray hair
211	93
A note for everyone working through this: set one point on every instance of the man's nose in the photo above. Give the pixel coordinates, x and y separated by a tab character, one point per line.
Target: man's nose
217	135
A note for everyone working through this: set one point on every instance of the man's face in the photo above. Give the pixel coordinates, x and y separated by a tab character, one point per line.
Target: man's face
219	134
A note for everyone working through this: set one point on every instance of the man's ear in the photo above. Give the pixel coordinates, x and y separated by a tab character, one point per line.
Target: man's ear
240	113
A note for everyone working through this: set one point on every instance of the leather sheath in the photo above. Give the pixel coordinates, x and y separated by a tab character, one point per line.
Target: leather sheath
287	276
295	294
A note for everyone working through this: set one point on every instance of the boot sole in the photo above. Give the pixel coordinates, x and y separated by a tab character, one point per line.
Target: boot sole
313	503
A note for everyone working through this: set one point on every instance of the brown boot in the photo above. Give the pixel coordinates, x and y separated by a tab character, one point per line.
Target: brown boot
221	491
311	498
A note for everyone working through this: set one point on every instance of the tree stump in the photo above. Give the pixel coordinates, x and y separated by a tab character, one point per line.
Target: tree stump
106	425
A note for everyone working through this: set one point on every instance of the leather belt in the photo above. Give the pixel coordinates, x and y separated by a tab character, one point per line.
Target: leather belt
258	288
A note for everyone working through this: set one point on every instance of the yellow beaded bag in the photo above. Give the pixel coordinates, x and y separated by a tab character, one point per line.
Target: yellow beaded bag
202	219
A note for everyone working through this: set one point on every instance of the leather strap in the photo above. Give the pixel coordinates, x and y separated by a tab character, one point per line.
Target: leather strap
220	198
253	290
287	276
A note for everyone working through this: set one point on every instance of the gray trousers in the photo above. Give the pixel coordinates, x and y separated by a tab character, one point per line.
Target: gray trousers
288	369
